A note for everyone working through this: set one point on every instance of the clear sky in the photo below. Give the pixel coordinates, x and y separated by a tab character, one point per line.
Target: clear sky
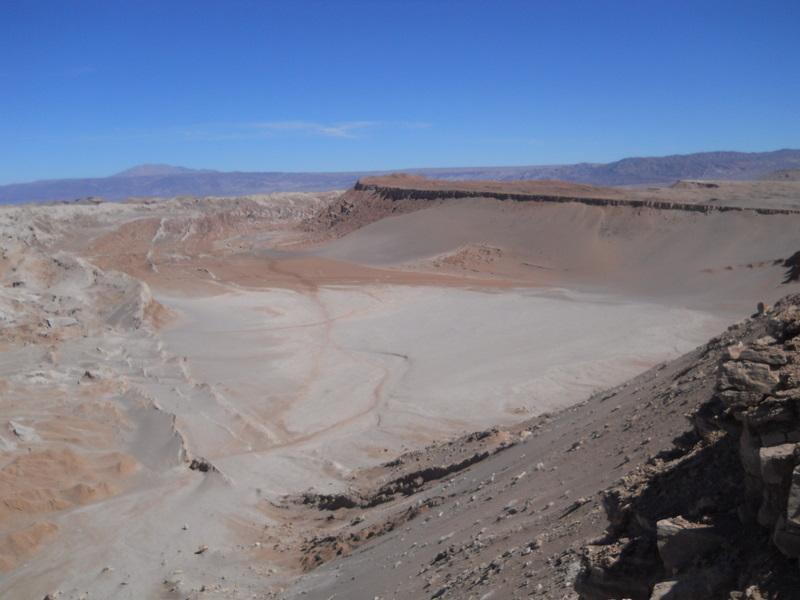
91	88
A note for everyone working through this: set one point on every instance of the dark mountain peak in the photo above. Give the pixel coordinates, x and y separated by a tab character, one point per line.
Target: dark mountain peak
167	180
152	170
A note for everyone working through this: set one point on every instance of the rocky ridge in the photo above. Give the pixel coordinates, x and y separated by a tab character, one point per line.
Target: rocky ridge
612	498
597	197
721	517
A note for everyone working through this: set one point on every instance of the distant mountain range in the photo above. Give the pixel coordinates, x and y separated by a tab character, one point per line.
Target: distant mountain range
169	181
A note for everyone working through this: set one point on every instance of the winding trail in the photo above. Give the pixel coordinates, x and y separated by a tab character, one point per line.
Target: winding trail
323	352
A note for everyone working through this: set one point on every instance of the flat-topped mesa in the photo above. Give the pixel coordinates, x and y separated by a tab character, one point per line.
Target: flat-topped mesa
526	187
411	187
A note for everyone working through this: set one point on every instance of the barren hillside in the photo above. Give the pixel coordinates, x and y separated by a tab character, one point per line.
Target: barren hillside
620	496
710	257
360	394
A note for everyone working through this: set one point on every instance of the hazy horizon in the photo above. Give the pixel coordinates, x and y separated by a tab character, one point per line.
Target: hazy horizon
182	168
313	87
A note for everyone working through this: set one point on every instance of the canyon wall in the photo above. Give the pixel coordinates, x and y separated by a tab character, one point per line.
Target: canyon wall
409	193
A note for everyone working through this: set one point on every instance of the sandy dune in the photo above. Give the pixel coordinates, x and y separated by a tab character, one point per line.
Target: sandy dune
720	260
171	370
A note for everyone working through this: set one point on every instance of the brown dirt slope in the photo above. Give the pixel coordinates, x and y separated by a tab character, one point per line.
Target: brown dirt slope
719	259
509	514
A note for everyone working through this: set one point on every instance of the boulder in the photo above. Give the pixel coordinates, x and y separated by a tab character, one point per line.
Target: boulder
691	587
786	534
771	411
769	356
749	453
748	377
786	538
790	374
772	437
664	590
735	351
793	501
777	463
681	542
737	399
620	570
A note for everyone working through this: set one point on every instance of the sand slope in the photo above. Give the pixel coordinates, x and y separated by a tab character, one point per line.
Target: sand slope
170	371
720	260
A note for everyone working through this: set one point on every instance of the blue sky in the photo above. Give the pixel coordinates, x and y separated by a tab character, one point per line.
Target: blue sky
90	88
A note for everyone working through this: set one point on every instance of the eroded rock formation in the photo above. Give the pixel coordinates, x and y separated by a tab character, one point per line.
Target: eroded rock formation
599	197
719	516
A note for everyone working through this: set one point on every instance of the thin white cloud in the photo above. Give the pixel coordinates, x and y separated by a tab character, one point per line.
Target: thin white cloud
348	129
268	129
221	132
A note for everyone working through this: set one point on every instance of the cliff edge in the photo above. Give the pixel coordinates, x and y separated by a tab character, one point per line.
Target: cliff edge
721	517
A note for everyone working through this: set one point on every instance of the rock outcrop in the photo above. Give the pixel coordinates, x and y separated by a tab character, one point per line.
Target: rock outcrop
405	193
792	265
719	516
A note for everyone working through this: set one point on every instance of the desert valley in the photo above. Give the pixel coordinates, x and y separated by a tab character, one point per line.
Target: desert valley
414	388
399	300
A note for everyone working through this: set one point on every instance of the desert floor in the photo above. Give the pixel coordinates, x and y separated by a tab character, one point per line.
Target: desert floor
144	338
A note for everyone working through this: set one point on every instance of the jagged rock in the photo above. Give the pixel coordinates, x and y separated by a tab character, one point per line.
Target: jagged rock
773	437
681	542
705	584
785	323
751	593
664	590
769	412
737	399
734	352
787	529
790	394
744	454
793	501
202	465
786	538
621	570
768	356
749	453
776	463
790	374
748	377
